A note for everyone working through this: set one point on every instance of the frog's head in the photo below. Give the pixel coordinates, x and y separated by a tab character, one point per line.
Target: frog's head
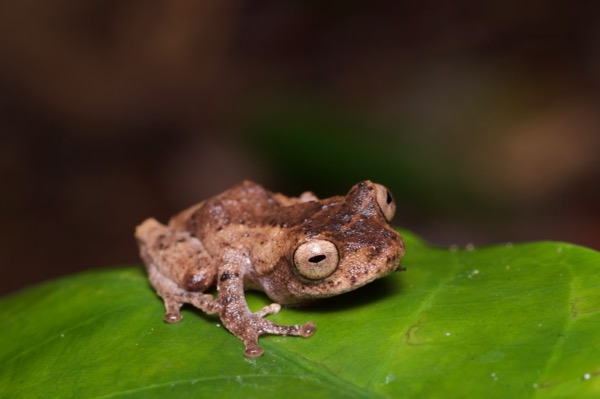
346	243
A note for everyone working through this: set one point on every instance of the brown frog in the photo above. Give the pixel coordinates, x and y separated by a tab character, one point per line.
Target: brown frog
296	250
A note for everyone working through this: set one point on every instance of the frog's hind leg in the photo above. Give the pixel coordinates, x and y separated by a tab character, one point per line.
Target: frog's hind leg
178	268
174	297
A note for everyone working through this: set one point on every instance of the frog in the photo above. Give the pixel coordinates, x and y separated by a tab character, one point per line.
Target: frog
297	250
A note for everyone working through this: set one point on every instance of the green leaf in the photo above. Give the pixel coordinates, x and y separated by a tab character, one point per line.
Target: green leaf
509	321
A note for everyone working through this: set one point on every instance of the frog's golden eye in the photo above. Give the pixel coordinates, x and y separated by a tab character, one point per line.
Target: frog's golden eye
316	259
385	201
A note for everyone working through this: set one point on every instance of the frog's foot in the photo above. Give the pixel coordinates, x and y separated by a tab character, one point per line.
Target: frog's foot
260	326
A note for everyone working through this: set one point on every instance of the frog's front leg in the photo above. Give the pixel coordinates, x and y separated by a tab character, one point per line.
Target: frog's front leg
234	311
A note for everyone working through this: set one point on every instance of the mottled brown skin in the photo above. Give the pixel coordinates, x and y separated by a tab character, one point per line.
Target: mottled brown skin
250	238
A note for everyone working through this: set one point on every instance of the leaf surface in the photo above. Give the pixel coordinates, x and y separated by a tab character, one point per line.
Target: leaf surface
518	321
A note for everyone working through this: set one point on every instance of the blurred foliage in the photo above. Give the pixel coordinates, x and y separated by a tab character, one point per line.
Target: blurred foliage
319	145
481	117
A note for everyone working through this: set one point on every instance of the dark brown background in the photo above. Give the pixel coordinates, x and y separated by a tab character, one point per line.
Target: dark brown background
482	118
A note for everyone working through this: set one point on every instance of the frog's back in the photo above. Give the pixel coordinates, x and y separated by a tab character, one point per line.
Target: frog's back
243	206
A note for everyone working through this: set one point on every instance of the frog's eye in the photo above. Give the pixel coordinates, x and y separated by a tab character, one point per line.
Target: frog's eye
316	259
385	202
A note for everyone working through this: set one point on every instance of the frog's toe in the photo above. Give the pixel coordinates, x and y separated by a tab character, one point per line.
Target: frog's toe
308	329
172	317
305	330
273	308
253	351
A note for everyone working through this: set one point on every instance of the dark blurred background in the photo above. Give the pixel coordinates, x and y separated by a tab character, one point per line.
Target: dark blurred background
481	117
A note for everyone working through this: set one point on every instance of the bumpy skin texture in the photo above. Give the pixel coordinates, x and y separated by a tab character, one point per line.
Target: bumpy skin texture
250	238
